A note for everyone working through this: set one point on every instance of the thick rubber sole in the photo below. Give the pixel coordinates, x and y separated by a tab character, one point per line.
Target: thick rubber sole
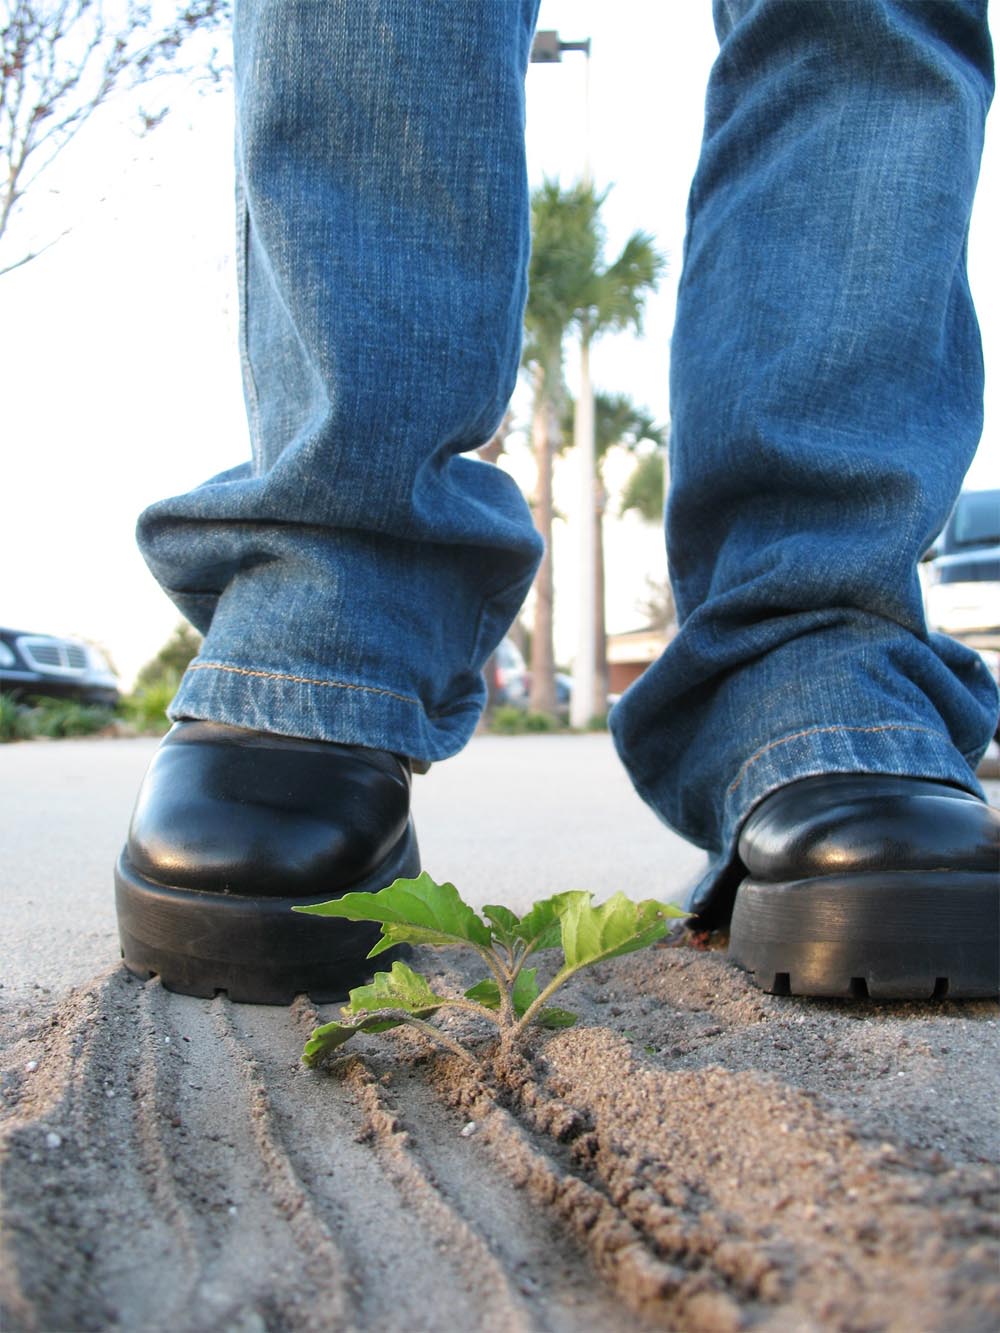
894	936
256	950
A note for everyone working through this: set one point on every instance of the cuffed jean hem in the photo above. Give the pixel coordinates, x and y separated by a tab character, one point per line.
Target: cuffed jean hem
899	749
350	712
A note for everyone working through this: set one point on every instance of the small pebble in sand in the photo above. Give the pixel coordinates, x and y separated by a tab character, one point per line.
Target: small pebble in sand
468	1129
232	1210
53	1141
31	1066
166	1041
109	1092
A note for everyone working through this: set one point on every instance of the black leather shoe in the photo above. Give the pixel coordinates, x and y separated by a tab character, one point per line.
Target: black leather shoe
230	830
861	884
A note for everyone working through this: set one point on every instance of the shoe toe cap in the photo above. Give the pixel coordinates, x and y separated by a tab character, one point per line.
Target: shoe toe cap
265	821
851	824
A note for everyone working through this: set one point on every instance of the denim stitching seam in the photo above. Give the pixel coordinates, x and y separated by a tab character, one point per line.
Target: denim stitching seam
302	680
819	731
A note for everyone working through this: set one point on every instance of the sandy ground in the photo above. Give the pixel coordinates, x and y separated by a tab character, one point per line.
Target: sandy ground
694	1155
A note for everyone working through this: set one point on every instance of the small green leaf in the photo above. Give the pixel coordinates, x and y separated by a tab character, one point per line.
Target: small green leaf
327	1038
541	927
619	926
503	921
555	1018
400	988
487	992
525	989
324	1039
412	911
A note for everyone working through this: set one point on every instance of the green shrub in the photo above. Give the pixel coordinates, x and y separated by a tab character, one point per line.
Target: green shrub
146	708
170	662
52	718
15	720
510	721
58	718
539	722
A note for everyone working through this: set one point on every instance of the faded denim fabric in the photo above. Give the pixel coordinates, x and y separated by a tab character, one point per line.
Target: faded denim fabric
354	577
826	383
826	388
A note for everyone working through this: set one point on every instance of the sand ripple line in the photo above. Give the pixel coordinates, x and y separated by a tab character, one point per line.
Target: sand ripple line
324	1262
88	1137
35	1098
503	1308
616	1248
716	1273
759	1191
155	1085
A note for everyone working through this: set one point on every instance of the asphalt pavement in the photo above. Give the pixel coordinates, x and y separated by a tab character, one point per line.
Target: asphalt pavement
509	820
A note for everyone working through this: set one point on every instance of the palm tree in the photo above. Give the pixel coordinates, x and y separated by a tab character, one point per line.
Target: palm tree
562	255
619	422
645	491
571	288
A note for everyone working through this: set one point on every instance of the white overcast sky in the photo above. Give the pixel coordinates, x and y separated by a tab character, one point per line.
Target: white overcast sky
118	370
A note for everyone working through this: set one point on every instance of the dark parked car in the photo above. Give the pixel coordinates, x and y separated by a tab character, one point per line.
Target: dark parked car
43	664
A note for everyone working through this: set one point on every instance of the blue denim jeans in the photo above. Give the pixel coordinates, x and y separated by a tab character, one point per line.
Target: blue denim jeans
827	380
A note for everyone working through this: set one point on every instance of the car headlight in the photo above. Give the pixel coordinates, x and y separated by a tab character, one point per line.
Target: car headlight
7	658
97	660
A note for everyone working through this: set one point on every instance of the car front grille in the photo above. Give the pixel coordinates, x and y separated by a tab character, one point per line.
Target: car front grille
43	654
53	655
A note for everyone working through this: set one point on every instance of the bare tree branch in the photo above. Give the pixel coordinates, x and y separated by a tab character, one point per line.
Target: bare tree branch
61	61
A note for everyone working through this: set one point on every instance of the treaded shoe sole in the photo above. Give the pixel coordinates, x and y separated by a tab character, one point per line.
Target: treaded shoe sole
898	936
257	950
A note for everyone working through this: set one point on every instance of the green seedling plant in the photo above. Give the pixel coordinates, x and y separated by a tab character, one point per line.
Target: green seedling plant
421	911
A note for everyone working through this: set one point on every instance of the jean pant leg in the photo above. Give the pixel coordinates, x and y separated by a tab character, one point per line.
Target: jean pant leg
352	579
827	399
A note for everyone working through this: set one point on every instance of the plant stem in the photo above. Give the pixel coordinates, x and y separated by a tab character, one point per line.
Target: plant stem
442	1038
428	1029
504	984
518	962
474	1007
561	976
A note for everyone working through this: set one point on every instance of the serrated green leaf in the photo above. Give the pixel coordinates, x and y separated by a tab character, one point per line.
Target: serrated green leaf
540	928
555	1018
327	1038
400	988
525	989
619	926
324	1039
412	911
487	992
503	921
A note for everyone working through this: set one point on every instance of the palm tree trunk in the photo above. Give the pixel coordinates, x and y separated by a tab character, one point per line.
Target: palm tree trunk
543	684
600	624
